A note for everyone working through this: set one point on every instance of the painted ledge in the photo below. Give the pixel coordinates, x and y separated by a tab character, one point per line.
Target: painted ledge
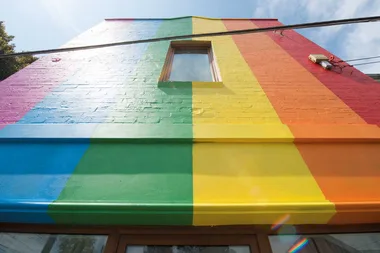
300	213
192	133
102	213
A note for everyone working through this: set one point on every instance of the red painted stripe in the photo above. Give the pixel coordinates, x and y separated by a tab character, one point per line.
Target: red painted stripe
360	92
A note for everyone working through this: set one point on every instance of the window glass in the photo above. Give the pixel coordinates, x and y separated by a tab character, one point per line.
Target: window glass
45	243
330	243
289	243
191	65
187	249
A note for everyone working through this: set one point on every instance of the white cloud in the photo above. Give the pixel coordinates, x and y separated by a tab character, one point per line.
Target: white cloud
364	40
350	41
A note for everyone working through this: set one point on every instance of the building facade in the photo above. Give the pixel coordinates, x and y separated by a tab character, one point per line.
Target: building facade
109	137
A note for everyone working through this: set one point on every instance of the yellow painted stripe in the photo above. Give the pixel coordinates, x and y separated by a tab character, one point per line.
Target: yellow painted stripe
253	183
246	183
240	99
243	133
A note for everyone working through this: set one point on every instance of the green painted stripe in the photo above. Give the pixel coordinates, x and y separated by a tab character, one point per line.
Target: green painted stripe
132	183
136	182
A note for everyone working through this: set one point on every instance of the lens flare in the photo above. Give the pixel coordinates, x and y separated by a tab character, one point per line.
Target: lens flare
278	223
298	246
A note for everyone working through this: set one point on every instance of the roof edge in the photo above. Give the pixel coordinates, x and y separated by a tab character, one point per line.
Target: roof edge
211	214
148	133
174	18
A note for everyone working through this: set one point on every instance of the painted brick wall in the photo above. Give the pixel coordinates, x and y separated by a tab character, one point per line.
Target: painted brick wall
267	79
112	85
95	127
356	96
240	100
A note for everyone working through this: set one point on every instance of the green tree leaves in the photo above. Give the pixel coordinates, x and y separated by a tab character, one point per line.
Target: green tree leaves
9	66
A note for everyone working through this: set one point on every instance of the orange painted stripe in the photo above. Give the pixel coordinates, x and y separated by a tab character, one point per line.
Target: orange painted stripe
296	95
349	176
364	133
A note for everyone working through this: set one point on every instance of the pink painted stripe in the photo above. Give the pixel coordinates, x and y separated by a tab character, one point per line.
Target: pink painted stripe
360	92
23	90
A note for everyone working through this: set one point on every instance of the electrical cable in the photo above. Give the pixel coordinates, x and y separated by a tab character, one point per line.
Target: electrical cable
372	62
359	59
341	67
211	34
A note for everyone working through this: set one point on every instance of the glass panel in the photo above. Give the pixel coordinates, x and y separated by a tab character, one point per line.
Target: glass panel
353	242
45	243
187	249
291	244
330	243
191	65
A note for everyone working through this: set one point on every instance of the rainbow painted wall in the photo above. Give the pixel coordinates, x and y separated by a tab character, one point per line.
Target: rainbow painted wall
93	139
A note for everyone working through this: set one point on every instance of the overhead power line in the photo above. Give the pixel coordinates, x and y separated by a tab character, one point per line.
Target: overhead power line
360	59
199	35
336	63
366	63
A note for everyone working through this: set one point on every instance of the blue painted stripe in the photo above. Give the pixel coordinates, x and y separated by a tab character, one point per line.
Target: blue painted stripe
46	131
35	173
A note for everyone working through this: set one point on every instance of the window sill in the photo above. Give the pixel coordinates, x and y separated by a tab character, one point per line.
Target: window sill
189	84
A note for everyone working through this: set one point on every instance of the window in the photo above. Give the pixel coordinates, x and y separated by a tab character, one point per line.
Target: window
187	249
194	243
32	238
49	243
327	243
190	61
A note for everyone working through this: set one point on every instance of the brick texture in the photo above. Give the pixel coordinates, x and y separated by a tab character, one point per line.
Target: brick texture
262	82
358	91
240	100
296	94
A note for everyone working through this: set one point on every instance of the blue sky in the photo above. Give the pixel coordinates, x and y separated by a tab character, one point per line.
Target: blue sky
42	24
